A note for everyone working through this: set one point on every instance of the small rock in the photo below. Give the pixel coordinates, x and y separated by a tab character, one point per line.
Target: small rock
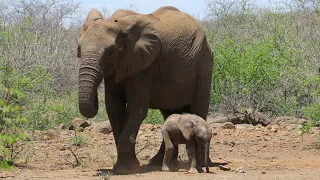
214	133
243	126
45	137
80	129
228	125
273	128
302	121
77	122
52	134
61	126
240	170
103	127
224	167
263	172
232	143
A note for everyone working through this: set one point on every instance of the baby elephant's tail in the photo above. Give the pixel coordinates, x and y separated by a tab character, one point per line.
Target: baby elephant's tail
206	156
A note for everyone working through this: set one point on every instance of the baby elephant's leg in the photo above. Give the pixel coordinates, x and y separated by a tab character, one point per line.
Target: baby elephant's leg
198	157
192	156
169	148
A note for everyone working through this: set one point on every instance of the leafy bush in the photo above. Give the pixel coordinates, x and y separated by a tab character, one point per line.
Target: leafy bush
12	123
251	71
312	110
154	117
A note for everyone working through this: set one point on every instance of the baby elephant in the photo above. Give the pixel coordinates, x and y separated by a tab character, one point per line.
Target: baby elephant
191	130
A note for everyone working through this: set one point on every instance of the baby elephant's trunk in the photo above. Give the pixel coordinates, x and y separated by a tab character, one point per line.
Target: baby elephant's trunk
206	156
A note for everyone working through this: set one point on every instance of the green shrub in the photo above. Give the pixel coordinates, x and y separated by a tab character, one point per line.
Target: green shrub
251	71
12	123
154	117
312	110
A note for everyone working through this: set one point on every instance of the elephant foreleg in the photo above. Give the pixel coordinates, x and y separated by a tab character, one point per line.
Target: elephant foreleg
137	108
116	109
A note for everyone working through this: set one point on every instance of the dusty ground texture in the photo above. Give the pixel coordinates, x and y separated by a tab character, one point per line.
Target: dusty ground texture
251	152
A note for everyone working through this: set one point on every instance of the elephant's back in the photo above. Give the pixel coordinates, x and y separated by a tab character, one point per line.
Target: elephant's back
182	37
176	69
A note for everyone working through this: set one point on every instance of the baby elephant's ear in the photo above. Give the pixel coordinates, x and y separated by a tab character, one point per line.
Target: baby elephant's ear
187	128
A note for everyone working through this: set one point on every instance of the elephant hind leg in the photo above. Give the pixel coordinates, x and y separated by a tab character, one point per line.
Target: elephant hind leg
200	103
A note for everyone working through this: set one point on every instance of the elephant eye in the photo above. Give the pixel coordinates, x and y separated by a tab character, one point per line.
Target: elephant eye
110	53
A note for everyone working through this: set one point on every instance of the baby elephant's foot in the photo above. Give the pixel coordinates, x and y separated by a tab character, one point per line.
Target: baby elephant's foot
193	170
200	170
165	168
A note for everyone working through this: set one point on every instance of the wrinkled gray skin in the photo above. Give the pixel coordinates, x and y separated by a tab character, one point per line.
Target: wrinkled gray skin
191	130
160	60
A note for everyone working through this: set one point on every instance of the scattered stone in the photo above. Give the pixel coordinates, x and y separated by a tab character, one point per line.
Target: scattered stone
244	126
273	128
52	134
224	167
80	129
228	125
103	127
240	170
214	133
289	120
77	122
263	172
61	126
45	137
232	143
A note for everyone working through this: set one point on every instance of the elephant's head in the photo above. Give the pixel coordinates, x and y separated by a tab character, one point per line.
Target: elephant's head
119	47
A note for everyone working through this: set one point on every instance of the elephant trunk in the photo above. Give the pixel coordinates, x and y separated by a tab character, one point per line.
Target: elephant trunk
90	77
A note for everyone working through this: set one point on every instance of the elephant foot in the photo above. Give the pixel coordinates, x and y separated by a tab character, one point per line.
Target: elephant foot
156	160
165	168
127	166
193	170
171	168
200	170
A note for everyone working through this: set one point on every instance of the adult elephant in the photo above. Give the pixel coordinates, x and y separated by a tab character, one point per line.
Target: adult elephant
160	60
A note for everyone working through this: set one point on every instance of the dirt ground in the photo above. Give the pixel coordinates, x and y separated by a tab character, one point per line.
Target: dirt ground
244	152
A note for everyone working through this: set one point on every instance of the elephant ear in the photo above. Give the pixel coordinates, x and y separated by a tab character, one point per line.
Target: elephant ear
187	127
142	46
